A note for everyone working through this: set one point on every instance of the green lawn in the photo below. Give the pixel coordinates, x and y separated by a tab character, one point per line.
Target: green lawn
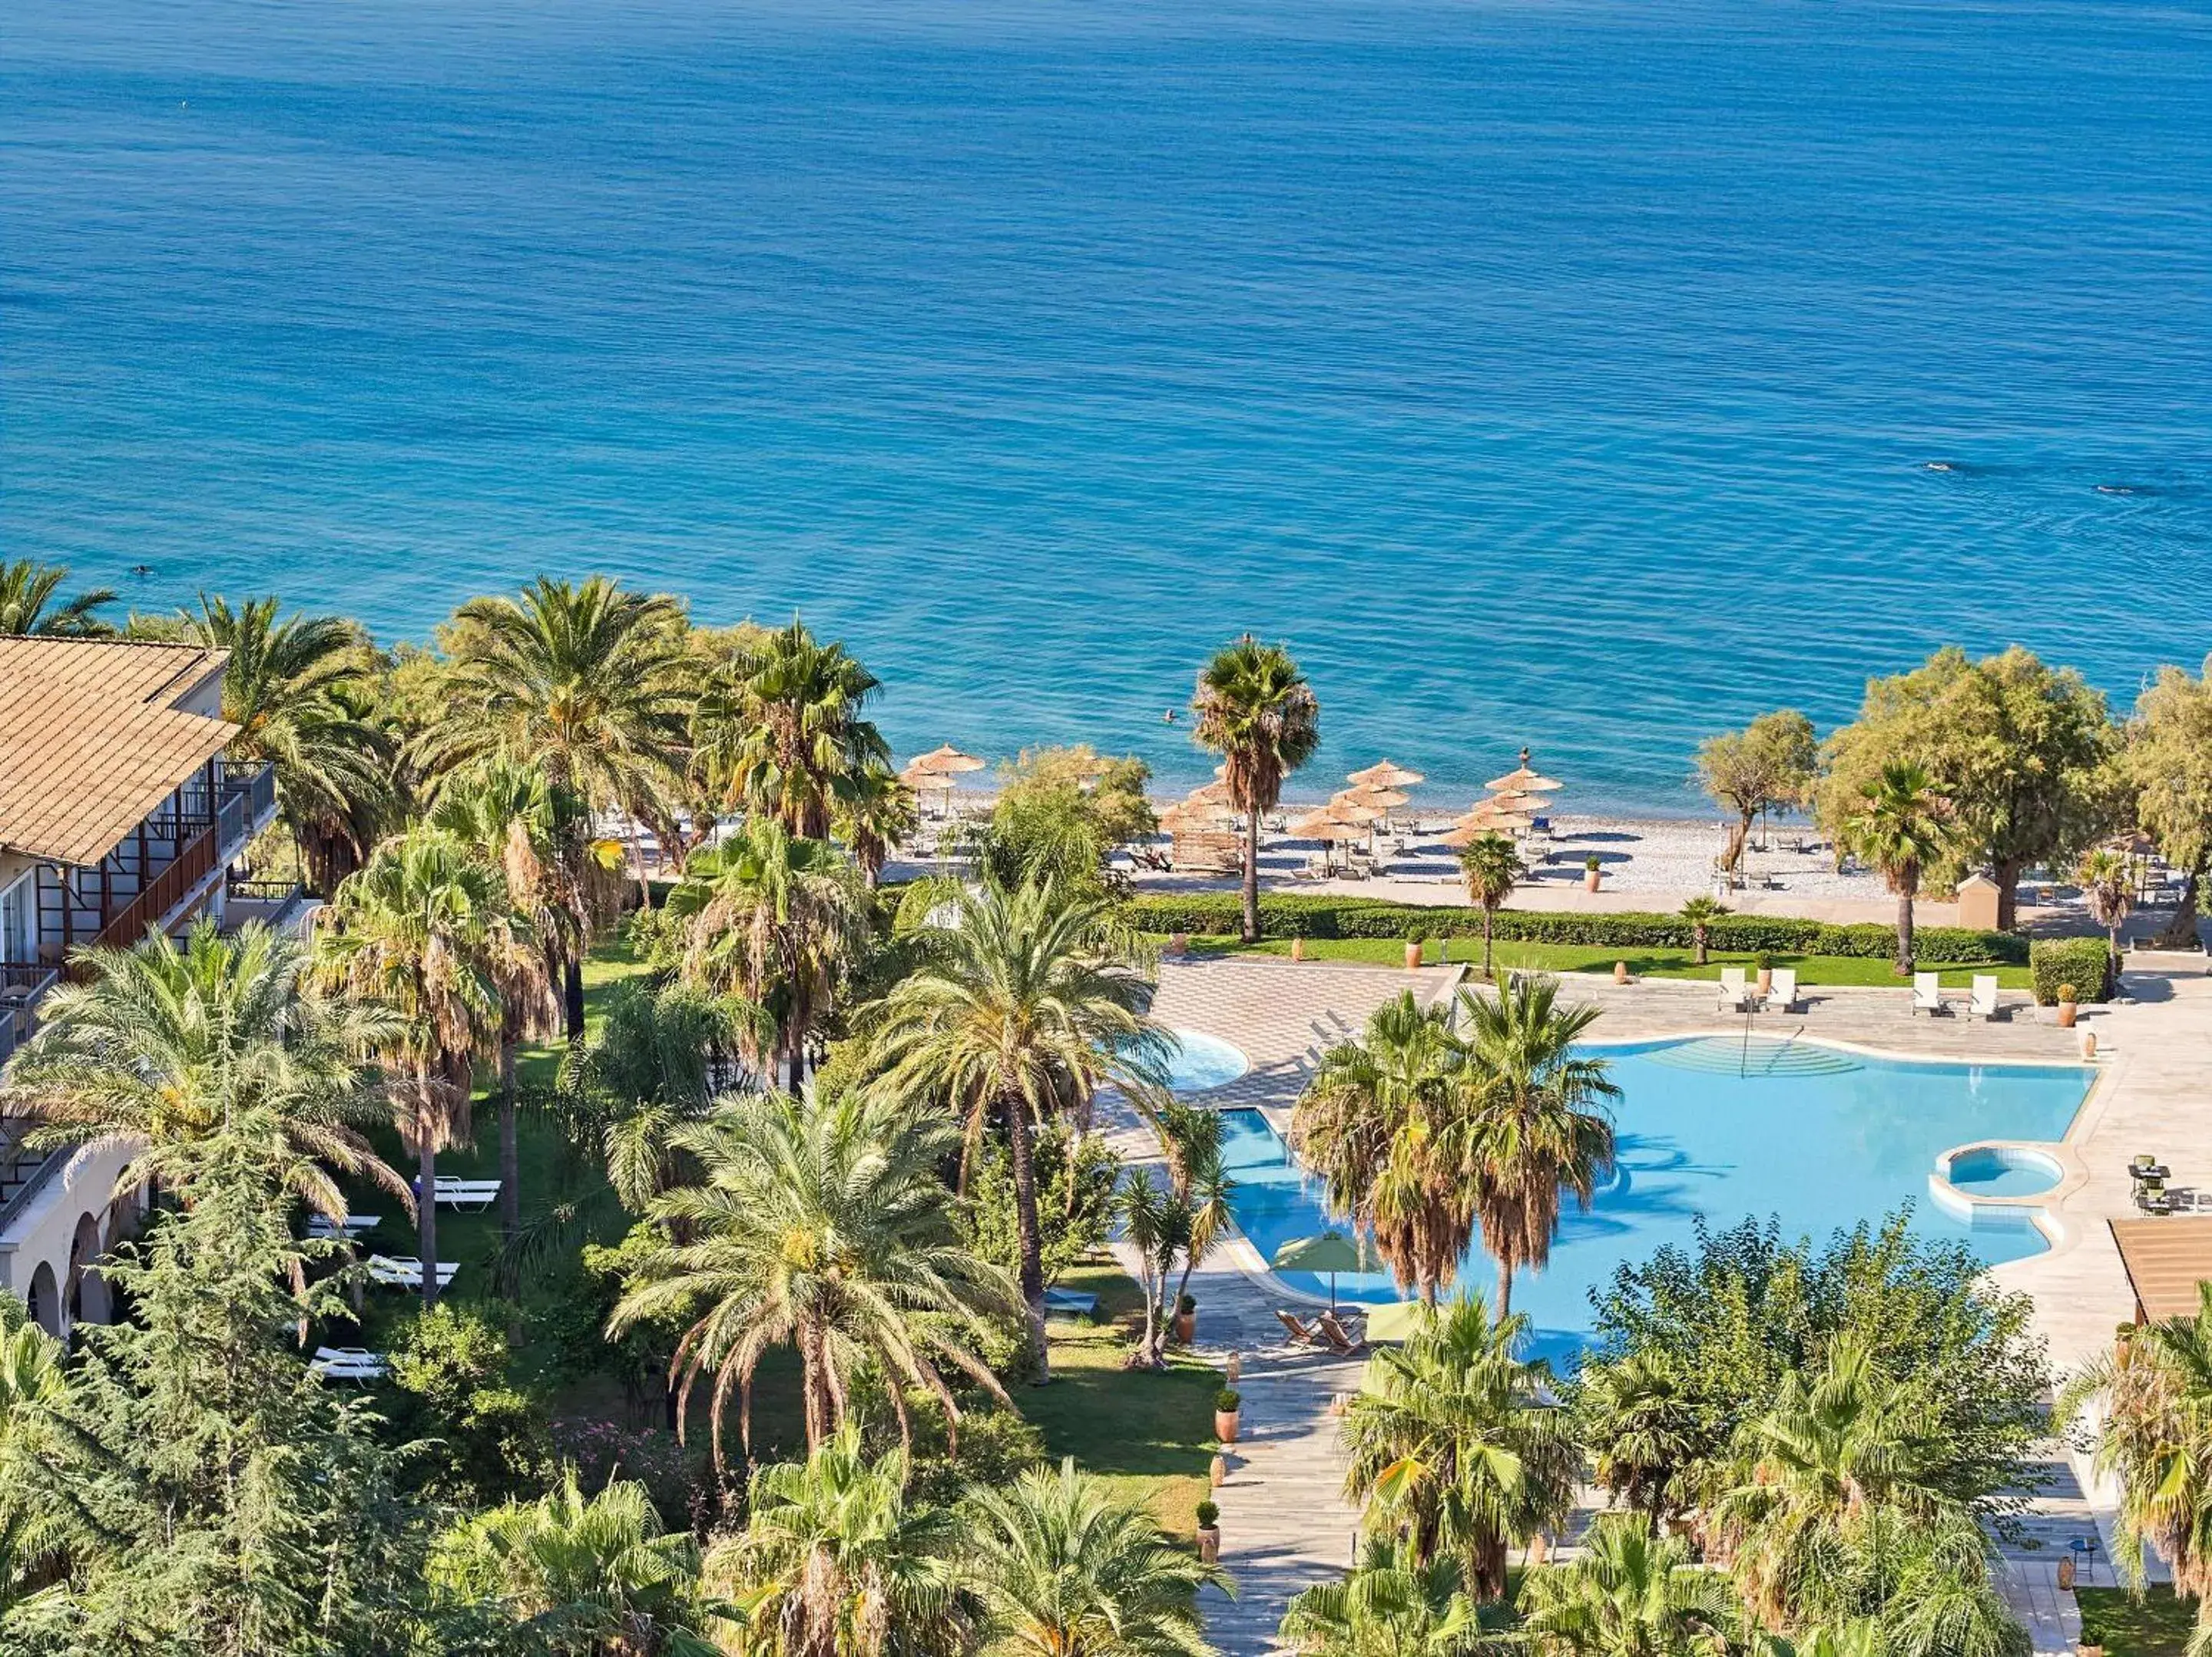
2157	1627
1811	969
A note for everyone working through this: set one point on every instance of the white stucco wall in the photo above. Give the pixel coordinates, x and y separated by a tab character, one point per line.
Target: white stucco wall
43	1233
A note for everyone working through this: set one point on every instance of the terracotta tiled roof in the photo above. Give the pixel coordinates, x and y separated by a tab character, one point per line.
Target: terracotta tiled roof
2166	1259
91	740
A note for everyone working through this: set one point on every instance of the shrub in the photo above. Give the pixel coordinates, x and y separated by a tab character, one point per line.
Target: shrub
2084	962
1208	1514
450	1365
1227	1399
1308	914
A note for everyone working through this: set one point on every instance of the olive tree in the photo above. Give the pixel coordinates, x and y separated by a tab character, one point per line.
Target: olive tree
2167	766
1770	761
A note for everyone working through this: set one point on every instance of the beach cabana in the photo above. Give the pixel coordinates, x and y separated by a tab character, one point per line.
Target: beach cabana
1202	833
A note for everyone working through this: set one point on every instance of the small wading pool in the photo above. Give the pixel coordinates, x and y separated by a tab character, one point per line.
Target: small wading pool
2001	1171
1202	1061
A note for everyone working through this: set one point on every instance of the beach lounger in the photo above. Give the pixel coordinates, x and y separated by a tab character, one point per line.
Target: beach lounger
1736	996
1070	1303
1300	1334
471	1196
1927	993
349	1363
1983	1003
1341	1341
351	1229
405	1271
1784	992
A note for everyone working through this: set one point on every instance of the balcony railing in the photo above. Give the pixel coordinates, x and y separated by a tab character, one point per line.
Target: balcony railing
20	987
195	860
252	784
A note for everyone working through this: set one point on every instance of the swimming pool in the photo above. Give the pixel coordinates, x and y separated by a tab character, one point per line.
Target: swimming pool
1822	1138
1201	1062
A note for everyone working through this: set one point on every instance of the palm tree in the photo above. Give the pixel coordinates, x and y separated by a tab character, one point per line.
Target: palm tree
588	1575
2110	894
1539	1124
166	1045
827	1228
1631	1593
427	930
1491	864
1902	826
293	688
1453	1439
876	812
835	1560
1375	1125
1389	1607
33	1387
1064	1570
27	587
1021	1004
581	680
773	918
1700	912
1640	1430
1255	709
780	730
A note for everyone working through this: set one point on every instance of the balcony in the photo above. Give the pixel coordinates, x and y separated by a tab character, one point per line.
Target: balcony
202	843
20	987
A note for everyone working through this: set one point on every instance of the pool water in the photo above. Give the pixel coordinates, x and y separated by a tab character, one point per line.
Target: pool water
1201	1062
1991	1172
1821	1138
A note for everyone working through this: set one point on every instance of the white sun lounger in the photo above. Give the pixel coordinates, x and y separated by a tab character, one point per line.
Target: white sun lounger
1784	992
473	1195
1736	996
351	1228
1927	993
1983	1002
349	1363
405	1271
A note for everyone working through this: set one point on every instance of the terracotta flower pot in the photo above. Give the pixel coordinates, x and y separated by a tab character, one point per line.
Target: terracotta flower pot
2088	1044
1412	956
2066	1575
1234	1368
1225	1425
1186	1327
1209	1544
1298	949
1591	879
1621	971
1765	981
2067	1011
1216	1474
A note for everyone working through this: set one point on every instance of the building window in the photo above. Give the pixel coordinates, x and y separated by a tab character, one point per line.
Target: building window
19	921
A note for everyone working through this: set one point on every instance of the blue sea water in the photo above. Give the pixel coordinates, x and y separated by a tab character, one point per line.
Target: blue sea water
1822	1138
1589	373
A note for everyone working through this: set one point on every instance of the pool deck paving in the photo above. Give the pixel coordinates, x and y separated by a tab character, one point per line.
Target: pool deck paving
1284	1520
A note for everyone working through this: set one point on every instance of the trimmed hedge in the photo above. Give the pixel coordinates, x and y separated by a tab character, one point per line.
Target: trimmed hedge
1300	914
2084	962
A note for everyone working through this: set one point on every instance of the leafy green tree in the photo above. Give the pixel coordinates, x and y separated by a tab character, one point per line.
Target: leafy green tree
1387	1606
33	1386
1377	1125
26	602
586	1576
1076	1177
1631	1593
294	687
1903	827
1060	815
828	1230
1021	1005
835	1558
1454	1445
1255	709
1700	912
1063	1569
2167	766
780	730
1490	866
426	930
489	1438
1771	761
2020	748
1539	1124
173	1044
773	919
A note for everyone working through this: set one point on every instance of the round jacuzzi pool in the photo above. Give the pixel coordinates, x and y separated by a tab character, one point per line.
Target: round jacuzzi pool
1202	1061
1999	1171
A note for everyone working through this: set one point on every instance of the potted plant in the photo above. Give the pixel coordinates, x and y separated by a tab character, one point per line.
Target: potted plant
1765	965
2067	1009
1415	937
1298	949
1226	1403
1186	1319
1209	1532
1621	971
1593	872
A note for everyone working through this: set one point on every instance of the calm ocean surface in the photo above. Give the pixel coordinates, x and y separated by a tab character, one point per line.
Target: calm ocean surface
1551	373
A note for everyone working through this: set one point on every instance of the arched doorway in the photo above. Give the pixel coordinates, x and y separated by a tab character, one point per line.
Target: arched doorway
88	1298
46	1299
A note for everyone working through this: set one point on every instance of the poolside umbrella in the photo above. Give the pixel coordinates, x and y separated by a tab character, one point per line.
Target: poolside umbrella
1393	1322
1331	1251
1384	775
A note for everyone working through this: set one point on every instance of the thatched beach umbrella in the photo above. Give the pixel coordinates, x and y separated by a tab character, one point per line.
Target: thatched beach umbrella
1524	780
1467	834
1518	799
1374	798
944	760
1385	774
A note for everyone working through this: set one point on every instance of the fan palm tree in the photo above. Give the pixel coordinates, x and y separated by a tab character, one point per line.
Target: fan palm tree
1376	1126
1255	709
293	688
2109	892
1538	1126
26	590
774	918
827	1228
835	1560
1452	1438
582	680
1640	1430
1631	1593
1490	866
428	931
168	1044
1021	1004
1388	1607
1902	826
780	730
1064	1570
588	1576
875	813
1699	913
